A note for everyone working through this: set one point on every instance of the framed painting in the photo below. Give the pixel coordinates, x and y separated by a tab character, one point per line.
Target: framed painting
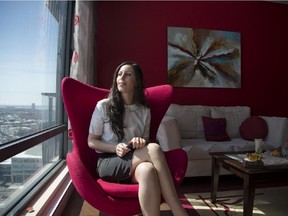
203	58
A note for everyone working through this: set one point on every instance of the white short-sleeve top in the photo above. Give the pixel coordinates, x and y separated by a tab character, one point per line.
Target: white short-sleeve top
136	123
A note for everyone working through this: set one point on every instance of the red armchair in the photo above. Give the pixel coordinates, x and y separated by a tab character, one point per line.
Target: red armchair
111	198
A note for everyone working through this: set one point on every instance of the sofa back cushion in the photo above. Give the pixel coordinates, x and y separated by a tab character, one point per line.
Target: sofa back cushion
234	115
277	131
189	118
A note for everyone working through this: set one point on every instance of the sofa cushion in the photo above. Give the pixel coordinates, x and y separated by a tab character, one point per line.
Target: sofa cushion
277	131
253	127
189	118
234	115
198	149
215	129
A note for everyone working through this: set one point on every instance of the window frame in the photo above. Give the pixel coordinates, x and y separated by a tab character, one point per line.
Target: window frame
9	149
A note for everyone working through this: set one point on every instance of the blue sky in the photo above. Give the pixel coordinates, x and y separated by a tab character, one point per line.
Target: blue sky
28	39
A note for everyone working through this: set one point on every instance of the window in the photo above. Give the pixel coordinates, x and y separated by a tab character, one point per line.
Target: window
34	57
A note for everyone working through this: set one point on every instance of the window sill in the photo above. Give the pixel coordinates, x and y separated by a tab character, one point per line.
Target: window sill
52	199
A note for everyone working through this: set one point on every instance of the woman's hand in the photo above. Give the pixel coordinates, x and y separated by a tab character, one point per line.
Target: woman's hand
122	149
137	142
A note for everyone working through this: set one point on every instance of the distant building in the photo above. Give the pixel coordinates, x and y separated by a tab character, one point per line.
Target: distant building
23	166
33	107
5	171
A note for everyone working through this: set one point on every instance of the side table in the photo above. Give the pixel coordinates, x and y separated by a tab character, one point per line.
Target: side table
250	177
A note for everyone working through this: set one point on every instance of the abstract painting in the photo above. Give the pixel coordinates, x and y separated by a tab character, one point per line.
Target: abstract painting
203	58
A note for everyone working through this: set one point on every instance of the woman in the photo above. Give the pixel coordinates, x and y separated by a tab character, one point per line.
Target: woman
119	132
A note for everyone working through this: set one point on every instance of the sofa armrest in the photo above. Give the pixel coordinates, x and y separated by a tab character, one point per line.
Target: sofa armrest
277	131
168	135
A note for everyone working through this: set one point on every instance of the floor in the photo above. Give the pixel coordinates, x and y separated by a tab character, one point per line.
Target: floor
77	207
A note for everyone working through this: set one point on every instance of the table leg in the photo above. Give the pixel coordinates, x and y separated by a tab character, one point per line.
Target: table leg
249	193
215	179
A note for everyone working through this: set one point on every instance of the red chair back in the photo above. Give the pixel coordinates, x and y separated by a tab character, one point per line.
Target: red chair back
80	101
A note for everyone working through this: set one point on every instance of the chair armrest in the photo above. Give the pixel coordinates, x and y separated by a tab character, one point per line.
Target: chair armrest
81	177
177	161
91	189
169	135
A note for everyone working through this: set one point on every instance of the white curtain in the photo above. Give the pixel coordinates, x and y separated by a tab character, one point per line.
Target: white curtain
83	64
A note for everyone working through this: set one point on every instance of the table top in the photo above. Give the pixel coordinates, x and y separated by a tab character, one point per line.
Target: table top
232	159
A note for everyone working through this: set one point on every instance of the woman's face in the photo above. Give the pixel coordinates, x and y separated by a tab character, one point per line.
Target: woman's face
126	79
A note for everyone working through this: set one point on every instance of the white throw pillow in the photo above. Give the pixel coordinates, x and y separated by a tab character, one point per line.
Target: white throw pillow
234	115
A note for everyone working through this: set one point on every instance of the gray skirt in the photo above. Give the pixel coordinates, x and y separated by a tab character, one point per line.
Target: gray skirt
113	168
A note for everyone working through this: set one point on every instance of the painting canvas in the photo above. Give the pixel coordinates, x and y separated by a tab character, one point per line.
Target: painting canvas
203	58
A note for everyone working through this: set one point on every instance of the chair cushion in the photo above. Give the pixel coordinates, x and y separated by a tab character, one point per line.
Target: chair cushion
119	190
253	127
215	129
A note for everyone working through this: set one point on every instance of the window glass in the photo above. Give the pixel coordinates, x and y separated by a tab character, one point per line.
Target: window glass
30	59
22	171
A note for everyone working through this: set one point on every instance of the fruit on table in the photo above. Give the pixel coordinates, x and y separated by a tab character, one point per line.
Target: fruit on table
276	153
254	156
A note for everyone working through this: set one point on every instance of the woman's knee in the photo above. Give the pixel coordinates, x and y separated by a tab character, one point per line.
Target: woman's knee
145	171
154	149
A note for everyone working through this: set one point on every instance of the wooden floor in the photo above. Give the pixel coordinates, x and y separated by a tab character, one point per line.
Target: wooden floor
77	207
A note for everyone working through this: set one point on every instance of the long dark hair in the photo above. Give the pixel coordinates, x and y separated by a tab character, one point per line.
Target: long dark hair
116	107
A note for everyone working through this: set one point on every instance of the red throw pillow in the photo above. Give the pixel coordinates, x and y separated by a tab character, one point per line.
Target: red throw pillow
253	127
215	129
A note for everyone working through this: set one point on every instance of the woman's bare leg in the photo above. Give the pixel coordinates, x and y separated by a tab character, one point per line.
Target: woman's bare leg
149	189
153	154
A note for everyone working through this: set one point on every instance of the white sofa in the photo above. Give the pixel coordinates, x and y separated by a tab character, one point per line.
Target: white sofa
182	127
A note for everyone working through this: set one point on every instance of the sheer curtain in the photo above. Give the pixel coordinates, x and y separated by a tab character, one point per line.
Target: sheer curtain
83	64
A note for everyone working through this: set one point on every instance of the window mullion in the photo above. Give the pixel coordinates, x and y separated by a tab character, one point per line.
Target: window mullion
10	149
